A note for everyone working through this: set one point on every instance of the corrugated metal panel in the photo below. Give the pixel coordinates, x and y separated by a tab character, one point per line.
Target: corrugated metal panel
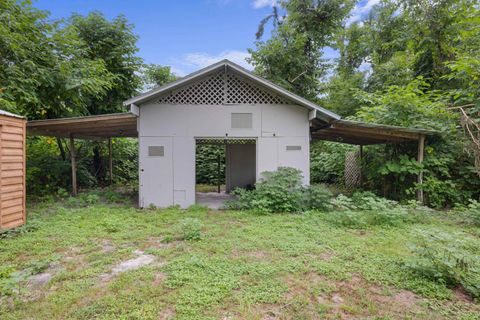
12	171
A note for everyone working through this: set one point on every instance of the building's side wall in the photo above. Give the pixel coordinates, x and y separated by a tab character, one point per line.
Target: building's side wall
12	172
274	126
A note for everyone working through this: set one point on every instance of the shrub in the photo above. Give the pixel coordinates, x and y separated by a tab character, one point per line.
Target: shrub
447	259
316	197
473	211
367	200
277	191
189	229
362	200
363	219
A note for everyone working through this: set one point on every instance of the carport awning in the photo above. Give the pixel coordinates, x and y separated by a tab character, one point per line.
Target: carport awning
360	133
88	127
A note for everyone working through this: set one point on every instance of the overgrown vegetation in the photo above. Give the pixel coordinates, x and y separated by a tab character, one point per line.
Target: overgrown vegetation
408	63
211	264
281	191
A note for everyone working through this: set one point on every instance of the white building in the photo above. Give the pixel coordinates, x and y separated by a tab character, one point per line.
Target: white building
262	125
222	101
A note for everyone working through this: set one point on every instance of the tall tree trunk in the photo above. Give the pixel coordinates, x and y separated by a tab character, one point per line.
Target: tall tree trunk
97	163
62	150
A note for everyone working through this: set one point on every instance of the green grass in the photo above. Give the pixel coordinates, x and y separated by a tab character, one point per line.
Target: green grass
237	265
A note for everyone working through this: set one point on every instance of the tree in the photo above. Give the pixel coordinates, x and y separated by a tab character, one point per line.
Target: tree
154	75
292	57
114	43
44	71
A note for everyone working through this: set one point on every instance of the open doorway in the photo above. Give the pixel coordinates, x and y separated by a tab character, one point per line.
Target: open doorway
221	165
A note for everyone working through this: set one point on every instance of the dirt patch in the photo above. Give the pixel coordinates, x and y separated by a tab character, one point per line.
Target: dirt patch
39	280
461	295
159	278
351	299
107	246
141	260
167	314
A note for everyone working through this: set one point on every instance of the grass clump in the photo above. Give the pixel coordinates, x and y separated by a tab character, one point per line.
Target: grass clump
189	229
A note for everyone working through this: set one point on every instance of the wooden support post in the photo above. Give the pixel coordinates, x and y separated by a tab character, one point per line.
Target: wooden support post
218	174
73	160
361	166
421	147
110	160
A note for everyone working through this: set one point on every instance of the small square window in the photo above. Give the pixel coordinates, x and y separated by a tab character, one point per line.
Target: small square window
242	120
156	151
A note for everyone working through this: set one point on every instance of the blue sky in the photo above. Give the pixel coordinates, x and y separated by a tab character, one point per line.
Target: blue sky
187	34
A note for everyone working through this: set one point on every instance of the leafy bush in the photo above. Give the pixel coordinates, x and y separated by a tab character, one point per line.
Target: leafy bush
189	229
316	197
473	211
327	162
366	209
278	191
363	219
447	259
362	200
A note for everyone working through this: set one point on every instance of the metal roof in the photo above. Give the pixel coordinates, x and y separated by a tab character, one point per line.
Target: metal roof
321	113
87	127
361	133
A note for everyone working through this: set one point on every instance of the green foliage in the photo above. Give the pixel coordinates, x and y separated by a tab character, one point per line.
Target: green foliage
474	211
246	261
125	160
114	43
327	162
411	106
365	209
292	57
189	229
448	260
154	75
206	164
46	171
316	197
278	191
364	219
44	71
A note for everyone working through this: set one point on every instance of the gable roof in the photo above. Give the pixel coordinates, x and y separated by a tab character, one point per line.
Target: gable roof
321	113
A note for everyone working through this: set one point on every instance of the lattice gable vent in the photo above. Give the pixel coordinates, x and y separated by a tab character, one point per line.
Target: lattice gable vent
222	88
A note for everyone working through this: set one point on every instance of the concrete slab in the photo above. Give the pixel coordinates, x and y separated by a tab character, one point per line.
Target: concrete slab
212	200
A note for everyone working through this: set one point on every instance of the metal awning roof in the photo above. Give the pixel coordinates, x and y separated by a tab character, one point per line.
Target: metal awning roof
361	133
125	125
87	127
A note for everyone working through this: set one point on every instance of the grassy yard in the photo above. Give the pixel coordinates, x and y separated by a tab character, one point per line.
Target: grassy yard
72	262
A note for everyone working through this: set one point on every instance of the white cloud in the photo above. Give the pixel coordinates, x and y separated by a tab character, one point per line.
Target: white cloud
258	4
197	60
360	10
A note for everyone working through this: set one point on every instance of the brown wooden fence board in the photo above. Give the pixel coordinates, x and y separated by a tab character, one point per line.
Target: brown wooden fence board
12	171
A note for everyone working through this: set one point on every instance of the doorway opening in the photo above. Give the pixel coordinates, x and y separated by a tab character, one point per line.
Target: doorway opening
221	165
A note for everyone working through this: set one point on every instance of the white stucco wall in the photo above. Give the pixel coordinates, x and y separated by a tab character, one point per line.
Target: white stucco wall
170	179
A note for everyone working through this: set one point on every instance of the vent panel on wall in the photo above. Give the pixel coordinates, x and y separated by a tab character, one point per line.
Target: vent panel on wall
219	89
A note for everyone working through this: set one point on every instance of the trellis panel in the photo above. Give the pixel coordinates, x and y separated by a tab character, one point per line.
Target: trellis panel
219	89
